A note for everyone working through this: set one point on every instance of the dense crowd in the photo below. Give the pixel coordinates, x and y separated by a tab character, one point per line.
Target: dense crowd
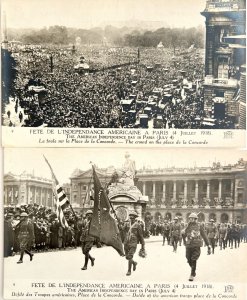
48	232
53	94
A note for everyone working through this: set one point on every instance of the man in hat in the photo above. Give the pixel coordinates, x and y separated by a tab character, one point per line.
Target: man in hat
87	241
25	236
194	235
212	234
175	234
222	235
166	232
134	235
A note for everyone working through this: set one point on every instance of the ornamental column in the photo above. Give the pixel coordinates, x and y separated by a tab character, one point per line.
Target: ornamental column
208	189
154	190
185	189
220	189
164	193
144	188
35	195
232	186
174	190
196	191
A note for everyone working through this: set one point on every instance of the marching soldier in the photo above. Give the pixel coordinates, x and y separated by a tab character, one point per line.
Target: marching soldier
134	235
222	234
212	234
194	235
87	241
175	234
25	236
166	232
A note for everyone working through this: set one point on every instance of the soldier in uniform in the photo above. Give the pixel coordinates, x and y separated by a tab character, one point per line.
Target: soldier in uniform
236	235
212	234
25	236
134	235
194	235
175	234
222	235
166	232
87	241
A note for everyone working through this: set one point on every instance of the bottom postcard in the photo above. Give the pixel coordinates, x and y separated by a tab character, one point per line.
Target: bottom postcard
105	223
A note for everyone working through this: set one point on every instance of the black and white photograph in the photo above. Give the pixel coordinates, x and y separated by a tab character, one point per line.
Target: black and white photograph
112	223
124	64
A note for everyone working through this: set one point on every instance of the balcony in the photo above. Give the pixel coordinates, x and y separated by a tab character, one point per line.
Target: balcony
219	82
222	5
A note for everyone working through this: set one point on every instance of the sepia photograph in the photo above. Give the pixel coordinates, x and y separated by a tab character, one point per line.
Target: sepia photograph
108	220
124	64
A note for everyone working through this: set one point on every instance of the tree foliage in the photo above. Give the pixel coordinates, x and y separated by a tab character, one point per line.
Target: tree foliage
125	36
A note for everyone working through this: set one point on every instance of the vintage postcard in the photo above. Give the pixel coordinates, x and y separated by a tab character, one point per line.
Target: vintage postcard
152	67
105	223
121	128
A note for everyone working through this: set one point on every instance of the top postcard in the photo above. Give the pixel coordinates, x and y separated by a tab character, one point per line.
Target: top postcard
154	67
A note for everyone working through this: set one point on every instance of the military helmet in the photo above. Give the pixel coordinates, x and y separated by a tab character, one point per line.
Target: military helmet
193	215
211	220
176	218
133	213
89	211
23	214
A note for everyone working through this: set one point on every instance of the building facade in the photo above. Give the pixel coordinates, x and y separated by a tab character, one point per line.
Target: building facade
217	192
225	54
27	189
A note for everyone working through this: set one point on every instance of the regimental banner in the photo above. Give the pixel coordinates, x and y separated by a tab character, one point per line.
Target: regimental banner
99	137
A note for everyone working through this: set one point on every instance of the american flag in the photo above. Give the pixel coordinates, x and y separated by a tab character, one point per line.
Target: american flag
61	201
59	207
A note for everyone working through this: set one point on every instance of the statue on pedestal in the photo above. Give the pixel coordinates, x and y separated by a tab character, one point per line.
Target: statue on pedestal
128	171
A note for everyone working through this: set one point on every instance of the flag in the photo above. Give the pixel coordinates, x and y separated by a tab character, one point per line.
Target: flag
61	201
103	226
59	213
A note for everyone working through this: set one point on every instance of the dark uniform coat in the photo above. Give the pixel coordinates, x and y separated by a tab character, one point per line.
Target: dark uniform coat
8	238
87	240
133	237
194	236
25	234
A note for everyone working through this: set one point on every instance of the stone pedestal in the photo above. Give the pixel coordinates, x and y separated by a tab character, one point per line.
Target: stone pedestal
126	198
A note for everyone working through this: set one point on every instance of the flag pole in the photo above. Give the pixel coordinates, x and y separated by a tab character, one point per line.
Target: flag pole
57	183
83	204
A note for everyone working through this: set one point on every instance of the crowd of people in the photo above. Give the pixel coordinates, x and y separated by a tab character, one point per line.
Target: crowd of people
54	94
48	232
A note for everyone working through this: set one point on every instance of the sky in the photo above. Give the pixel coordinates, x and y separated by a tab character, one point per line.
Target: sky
65	160
90	13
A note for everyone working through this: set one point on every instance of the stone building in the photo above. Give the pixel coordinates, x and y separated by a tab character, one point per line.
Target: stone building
217	192
27	189
225	54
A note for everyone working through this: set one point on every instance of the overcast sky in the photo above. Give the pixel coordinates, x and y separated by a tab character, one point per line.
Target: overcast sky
88	13
65	160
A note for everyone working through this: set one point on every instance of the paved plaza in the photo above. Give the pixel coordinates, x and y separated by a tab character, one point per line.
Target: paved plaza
161	264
